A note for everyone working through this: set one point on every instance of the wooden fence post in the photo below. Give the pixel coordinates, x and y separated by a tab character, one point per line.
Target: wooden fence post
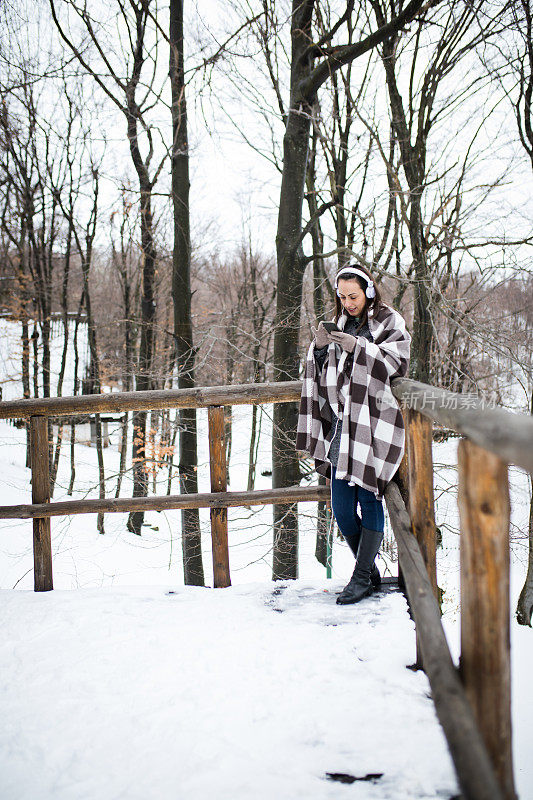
473	765
421	502
421	498
483	500
40	493
219	516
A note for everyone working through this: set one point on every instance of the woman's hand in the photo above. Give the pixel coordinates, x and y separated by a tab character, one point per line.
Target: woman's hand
345	340
322	337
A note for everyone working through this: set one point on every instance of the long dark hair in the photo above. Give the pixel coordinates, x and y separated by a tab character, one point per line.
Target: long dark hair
374	302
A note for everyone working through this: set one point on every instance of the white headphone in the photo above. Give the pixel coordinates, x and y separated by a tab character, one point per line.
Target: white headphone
370	292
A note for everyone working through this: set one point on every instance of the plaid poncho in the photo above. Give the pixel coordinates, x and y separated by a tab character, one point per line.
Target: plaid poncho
357	388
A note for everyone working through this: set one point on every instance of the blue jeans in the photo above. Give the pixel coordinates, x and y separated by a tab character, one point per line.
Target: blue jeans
344	502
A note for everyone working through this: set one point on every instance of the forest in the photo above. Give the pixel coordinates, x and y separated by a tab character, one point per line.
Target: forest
179	183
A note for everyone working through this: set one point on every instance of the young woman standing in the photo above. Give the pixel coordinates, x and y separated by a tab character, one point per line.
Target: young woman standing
349	420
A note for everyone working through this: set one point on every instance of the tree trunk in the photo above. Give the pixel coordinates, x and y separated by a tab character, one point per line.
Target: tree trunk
419	365
128	364
26	377
143	378
228	436
291	266
171	454
322	529
22	278
305	82
35	349
94	371
140	477
319	308
252	451
413	162
123	451
55	459
181	295
75	392
258	311
231	341
101	472
524	609
62	368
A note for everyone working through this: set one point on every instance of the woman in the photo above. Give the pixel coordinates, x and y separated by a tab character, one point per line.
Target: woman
349	420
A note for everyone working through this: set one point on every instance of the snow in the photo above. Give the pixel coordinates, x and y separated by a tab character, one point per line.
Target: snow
256	691
124	683
11	357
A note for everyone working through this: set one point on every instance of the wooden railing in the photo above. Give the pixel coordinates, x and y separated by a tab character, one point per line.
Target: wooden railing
473	702
214	398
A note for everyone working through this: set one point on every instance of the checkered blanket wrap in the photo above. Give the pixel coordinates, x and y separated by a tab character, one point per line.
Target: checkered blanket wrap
356	387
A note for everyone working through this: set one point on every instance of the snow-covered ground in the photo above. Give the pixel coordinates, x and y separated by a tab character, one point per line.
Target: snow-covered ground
11	357
256	691
123	683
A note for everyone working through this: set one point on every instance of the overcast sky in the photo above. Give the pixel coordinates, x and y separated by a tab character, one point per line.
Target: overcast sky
234	189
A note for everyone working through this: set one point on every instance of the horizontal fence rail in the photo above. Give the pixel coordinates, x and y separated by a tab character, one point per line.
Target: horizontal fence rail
508	435
120	505
155	400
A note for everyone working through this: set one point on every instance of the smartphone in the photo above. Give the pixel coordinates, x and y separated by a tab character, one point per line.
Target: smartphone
330	326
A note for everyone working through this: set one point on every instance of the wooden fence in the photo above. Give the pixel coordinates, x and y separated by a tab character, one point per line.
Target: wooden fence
214	398
472	702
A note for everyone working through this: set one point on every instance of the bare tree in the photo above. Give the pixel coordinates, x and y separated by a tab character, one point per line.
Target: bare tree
181	294
134	95
125	265
413	118
521	62
312	64
85	246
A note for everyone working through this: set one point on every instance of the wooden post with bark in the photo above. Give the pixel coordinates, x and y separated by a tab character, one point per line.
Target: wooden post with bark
40	493
421	503
475	773
421	498
219	480
484	509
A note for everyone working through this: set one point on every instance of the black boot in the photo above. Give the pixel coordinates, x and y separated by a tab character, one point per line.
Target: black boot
352	540
360	584
375	577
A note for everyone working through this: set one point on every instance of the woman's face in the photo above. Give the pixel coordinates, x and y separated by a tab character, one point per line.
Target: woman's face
351	296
